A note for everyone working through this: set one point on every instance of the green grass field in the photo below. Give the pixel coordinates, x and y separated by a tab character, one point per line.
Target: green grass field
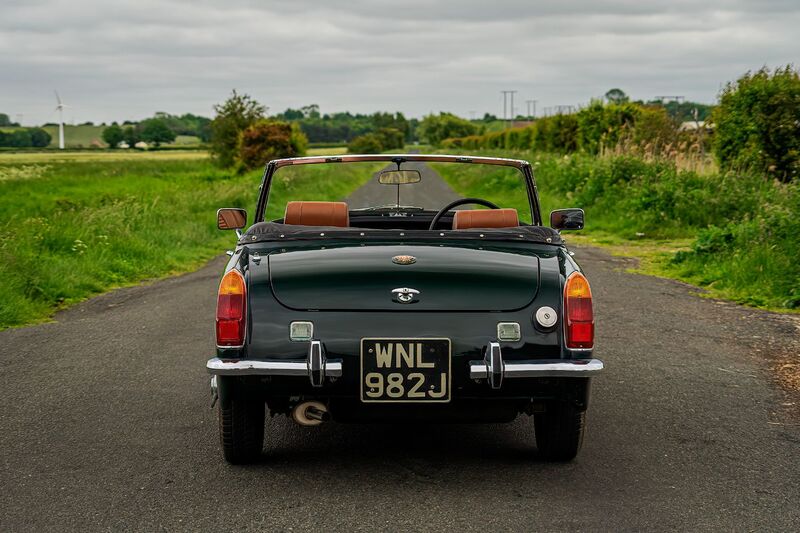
74	225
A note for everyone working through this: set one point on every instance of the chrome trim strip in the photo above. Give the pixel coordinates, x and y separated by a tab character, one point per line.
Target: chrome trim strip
273	367
546	368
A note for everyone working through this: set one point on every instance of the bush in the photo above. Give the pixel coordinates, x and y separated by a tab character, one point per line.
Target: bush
371	143
757	123
269	139
590	130
436	128
39	137
391	138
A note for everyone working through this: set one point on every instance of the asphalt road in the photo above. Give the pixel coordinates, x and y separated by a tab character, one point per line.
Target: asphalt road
106	426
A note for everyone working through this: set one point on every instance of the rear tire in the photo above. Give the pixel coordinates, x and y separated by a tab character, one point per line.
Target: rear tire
559	431
241	426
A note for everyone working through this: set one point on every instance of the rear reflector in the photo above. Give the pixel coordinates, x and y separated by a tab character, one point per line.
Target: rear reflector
579	318
231	310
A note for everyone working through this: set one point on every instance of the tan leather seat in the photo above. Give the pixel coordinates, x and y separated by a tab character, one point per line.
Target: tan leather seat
317	214
486	218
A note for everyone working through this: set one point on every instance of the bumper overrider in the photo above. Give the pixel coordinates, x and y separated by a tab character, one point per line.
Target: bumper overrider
491	368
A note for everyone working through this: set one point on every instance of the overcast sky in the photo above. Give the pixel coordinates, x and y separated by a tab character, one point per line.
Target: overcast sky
125	59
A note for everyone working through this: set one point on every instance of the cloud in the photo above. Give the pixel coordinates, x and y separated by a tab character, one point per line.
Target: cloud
127	59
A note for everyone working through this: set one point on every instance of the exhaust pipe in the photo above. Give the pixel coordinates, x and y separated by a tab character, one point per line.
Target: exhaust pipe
311	413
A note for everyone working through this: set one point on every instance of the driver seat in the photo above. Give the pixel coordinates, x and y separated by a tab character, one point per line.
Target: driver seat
486	218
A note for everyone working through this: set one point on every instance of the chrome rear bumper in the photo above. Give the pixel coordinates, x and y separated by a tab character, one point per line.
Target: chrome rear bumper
231	367
494	369
540	369
316	366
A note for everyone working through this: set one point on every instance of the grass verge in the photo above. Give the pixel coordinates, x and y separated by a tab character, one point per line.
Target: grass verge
72	226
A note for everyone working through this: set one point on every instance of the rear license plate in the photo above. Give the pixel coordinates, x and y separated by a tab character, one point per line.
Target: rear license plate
405	370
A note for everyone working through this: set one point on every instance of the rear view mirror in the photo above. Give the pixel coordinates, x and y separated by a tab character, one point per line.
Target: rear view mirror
399	177
231	218
571	218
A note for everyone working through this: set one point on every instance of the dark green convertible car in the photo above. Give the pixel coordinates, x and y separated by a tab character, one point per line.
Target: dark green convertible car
402	303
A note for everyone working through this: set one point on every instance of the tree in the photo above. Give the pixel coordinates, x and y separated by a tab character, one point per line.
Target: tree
39	137
5	121
269	139
156	131
131	136
235	115
616	96
757	123
113	135
310	111
436	128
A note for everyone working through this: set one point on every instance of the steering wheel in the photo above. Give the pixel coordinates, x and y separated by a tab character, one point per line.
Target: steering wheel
460	201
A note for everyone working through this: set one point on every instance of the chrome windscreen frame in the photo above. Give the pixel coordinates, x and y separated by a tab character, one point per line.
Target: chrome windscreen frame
519	164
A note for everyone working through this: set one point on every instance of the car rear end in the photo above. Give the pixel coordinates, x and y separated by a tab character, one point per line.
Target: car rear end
387	331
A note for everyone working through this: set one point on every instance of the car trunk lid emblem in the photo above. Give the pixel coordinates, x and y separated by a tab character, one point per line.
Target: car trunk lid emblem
404	259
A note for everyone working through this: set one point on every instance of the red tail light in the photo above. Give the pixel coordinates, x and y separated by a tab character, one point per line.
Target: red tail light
231	310
579	318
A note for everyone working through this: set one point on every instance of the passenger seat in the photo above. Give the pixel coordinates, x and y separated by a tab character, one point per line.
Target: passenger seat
317	214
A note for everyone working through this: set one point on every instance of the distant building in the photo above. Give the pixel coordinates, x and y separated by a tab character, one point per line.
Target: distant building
141	145
692	125
123	145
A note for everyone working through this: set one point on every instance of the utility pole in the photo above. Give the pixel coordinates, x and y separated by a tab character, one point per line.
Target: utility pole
531	103
505	108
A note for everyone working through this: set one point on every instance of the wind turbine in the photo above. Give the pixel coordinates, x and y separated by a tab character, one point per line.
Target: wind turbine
60	108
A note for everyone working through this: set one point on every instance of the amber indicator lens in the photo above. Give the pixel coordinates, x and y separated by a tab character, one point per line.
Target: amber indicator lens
231	310
579	326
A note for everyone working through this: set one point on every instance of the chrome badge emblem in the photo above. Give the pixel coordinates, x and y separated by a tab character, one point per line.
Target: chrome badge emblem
405	295
404	259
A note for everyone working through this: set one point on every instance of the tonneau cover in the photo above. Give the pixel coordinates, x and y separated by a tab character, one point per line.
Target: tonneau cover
272	231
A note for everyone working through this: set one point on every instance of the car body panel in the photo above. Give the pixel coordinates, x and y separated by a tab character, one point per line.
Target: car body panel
361	278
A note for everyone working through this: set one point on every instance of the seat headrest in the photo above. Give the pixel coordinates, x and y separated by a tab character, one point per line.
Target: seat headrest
317	214
486	218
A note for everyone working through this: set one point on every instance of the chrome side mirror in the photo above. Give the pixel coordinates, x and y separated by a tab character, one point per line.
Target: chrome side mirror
231	218
569	219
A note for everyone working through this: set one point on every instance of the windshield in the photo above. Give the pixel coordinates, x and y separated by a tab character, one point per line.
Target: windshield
409	187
